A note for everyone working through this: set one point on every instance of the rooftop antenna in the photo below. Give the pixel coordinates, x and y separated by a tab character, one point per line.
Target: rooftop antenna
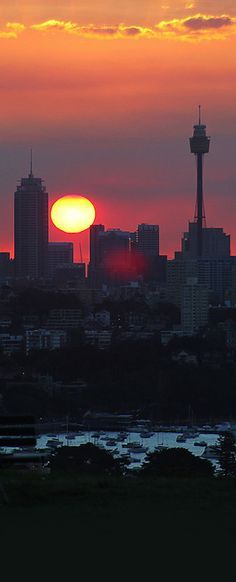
31	163
81	256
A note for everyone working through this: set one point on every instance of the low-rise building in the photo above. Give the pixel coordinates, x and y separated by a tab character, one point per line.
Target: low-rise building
168	334
98	337
10	343
44	339
103	317
5	321
64	319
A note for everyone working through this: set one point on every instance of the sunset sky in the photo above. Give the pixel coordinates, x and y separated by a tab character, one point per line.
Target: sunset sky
106	94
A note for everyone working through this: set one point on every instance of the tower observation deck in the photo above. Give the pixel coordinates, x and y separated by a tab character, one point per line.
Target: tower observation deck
199	145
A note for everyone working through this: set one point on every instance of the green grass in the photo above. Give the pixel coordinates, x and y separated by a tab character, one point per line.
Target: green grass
142	521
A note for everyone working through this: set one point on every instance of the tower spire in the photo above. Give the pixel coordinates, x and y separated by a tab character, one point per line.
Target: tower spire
199	114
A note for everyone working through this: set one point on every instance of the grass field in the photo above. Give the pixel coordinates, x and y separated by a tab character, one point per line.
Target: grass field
132	523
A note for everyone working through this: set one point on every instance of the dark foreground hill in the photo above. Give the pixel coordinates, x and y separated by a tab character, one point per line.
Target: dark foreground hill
119	526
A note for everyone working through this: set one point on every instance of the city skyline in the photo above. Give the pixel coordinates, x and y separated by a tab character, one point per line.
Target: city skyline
108	109
118	278
77	240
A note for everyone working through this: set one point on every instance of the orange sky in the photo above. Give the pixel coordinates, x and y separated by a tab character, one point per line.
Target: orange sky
107	98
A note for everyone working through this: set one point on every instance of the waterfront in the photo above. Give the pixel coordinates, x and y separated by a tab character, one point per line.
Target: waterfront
119	446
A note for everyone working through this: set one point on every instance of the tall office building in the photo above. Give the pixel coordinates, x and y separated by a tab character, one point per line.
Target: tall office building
148	245
213	273
95	231
117	256
5	266
31	228
148	239
113	241
110	255
70	276
95	255
215	243
115	250
194	306
59	254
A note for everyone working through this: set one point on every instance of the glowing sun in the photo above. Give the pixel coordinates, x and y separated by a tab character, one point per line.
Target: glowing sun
73	213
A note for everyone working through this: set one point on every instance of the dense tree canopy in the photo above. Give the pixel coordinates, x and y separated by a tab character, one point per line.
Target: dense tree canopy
226	452
175	462
87	458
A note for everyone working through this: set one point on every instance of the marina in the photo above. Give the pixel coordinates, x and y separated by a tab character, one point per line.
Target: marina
134	444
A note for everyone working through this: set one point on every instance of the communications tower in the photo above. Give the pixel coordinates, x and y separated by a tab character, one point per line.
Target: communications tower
199	145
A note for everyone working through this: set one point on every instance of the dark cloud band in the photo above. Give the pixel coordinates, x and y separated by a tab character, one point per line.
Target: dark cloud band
201	23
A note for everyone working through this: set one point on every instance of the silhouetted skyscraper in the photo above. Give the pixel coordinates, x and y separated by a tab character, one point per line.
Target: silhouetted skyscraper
6	266
110	255
95	231
148	239
215	243
194	306
95	255
59	253
31	228
148	244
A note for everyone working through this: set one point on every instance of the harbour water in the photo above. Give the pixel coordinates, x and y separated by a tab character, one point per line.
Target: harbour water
120	445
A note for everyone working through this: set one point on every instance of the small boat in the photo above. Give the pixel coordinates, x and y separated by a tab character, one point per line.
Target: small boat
121	440
222	427
95	435
111	443
200	444
123	435
136	447
70	436
192	435
209	453
181	438
53	443
146	434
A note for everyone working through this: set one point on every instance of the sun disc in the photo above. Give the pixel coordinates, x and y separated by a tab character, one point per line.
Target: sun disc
73	213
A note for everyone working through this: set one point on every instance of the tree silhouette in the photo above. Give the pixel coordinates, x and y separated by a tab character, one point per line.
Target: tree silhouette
175	462
226	453
87	458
